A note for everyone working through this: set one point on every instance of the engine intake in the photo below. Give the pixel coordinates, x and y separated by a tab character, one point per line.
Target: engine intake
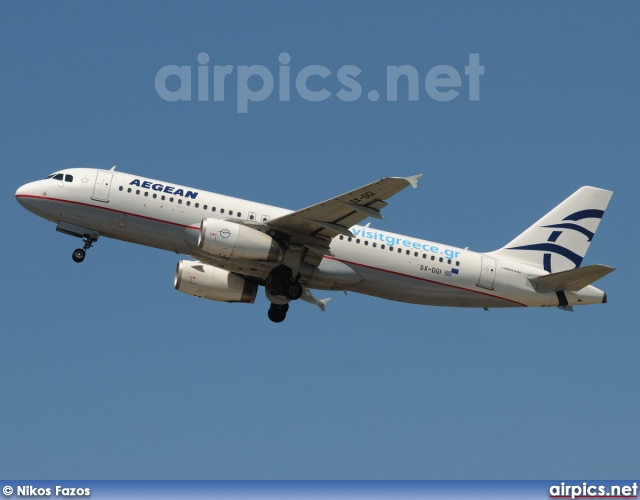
228	239
209	282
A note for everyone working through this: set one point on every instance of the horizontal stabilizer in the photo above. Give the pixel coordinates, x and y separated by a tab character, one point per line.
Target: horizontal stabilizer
572	280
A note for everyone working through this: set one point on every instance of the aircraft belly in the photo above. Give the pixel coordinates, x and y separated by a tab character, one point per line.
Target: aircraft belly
47	209
122	225
411	289
151	233
330	274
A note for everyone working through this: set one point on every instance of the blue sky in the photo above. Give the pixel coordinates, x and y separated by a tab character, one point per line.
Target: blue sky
108	372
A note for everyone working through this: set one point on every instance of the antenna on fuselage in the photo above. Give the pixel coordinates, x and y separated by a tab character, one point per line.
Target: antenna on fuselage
112	168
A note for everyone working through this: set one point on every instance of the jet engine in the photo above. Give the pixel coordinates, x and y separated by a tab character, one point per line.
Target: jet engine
228	239
209	282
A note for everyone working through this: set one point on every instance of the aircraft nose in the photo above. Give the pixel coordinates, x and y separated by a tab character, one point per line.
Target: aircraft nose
20	192
25	193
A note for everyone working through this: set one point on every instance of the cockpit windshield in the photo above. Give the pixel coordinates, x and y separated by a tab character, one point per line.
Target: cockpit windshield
60	177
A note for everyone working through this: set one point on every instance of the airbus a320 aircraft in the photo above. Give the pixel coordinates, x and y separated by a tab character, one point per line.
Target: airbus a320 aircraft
240	245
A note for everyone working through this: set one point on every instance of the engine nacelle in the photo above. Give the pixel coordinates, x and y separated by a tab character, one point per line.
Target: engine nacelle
228	239
209	282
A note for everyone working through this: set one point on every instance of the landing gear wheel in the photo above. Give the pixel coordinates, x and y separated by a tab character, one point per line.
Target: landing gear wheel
292	290
78	255
277	313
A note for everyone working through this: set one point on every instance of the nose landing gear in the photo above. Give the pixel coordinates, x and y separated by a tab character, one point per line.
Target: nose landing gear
79	254
89	236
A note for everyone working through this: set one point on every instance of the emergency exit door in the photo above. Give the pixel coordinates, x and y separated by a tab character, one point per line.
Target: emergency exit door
487	273
102	187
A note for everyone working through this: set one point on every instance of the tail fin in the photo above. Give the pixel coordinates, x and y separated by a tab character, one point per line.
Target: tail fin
560	240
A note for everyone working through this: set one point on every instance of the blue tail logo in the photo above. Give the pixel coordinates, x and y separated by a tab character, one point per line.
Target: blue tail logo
550	246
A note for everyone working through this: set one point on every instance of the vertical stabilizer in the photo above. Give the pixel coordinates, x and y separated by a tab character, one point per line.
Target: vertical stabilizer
560	240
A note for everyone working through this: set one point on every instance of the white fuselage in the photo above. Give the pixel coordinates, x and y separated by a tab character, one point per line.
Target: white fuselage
374	262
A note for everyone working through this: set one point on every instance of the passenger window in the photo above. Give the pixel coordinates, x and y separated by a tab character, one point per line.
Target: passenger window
146	193
162	198
120	188
128	190
197	205
222	210
457	263
204	207
171	200
382	247
179	201
188	203
137	191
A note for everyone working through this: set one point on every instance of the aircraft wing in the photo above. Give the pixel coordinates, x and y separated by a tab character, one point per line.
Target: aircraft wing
316	225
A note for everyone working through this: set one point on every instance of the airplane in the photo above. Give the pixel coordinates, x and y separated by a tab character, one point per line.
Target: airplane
240	245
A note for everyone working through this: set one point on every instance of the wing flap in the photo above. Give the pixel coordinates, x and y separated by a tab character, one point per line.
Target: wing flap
572	280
